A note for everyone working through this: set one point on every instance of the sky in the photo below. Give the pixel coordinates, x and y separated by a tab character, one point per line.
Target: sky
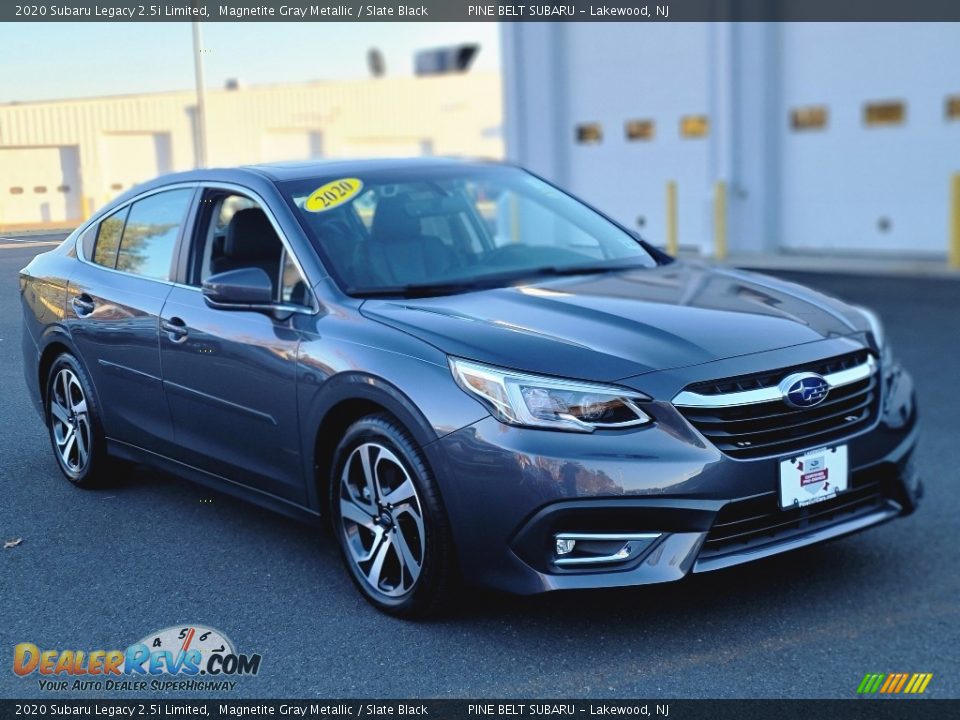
47	61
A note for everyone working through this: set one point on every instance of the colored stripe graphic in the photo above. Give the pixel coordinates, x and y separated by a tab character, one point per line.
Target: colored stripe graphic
873	682
862	688
894	683
918	683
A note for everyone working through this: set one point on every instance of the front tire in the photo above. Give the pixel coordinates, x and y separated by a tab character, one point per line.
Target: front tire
73	422
389	520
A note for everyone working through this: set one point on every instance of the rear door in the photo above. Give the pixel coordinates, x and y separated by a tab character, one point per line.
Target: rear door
113	312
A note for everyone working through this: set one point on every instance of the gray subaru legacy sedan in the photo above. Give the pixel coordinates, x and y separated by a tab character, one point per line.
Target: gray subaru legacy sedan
470	375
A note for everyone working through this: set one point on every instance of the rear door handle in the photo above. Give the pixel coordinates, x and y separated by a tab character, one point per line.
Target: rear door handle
83	305
175	328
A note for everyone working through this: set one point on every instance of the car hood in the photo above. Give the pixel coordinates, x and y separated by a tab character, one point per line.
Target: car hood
616	325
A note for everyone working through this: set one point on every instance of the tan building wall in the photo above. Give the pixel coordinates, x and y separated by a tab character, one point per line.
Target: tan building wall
62	159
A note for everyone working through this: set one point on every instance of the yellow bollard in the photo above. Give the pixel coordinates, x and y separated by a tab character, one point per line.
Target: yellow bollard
720	221
672	246
954	255
84	208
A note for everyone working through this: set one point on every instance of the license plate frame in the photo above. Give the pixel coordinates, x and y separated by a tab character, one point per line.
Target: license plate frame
813	476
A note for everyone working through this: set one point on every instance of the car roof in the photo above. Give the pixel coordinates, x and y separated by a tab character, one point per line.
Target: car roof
305	169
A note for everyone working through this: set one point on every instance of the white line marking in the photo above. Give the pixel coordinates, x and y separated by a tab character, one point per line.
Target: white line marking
35	243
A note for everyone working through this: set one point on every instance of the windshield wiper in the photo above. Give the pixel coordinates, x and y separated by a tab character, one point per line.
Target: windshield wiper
483	282
609	266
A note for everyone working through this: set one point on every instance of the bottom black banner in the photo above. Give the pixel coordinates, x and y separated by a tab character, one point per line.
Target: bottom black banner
863	708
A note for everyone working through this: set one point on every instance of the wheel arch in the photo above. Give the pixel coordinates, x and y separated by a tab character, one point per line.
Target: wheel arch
346	398
54	343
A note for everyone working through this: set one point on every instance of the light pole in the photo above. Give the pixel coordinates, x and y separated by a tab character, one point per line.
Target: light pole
201	115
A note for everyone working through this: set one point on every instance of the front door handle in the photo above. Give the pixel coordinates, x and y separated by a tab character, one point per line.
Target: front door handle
175	328
83	305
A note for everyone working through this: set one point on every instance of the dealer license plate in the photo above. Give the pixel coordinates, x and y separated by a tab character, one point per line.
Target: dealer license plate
815	476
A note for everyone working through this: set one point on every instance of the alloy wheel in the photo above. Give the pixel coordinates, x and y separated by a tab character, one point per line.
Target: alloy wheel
382	520
70	421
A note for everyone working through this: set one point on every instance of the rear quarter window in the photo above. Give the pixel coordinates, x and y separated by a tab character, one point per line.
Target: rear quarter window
108	234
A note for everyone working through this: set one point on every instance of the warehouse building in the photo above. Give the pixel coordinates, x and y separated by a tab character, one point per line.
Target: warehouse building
60	160
798	138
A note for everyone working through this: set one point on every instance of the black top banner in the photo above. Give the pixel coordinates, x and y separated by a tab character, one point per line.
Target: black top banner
464	10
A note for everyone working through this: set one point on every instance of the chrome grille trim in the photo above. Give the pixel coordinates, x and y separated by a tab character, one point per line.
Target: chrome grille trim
767	426
688	399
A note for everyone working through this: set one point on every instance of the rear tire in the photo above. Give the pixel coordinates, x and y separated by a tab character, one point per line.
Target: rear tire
389	520
74	425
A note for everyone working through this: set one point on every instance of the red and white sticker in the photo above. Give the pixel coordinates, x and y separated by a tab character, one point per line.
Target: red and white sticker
814	476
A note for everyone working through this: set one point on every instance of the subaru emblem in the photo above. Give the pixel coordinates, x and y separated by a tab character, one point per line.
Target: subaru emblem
804	390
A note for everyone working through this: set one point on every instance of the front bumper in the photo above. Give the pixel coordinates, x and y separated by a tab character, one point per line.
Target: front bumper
509	491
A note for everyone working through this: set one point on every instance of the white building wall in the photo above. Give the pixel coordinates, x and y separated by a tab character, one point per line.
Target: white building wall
121	141
848	187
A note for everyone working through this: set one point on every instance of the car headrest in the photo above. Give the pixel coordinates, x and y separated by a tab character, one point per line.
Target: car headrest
250	236
393	220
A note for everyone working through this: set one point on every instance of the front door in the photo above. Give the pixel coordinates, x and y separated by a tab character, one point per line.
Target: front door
230	375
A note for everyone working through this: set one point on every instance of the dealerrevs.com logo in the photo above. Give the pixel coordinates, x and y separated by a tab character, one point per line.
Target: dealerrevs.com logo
187	658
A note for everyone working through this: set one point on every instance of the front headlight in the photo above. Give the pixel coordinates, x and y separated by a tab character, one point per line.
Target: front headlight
534	401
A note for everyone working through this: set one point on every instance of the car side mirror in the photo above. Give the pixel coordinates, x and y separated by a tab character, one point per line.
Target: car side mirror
242	289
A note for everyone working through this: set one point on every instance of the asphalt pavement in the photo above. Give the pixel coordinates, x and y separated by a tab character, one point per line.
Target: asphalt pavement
102	569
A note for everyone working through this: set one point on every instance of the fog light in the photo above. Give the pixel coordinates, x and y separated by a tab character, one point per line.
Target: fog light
565	546
599	548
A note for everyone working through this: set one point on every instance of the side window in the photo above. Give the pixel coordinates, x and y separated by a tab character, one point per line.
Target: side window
236	233
210	247
150	234
228	208
108	239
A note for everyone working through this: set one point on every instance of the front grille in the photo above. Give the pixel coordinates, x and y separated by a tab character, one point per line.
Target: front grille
773	427
770	378
747	524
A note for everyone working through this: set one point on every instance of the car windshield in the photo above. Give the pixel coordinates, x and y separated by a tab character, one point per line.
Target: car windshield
439	230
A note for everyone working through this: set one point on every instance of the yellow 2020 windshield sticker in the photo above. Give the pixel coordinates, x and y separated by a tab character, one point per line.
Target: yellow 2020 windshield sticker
333	194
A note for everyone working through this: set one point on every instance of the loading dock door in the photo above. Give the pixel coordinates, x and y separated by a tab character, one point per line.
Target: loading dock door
874	175
39	185
133	158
